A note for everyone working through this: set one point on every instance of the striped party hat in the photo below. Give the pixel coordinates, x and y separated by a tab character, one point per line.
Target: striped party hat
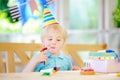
48	18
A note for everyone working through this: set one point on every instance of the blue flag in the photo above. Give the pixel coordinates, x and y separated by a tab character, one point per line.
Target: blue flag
25	11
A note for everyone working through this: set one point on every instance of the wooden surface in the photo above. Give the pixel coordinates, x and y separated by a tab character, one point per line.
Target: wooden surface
20	50
60	75
73	50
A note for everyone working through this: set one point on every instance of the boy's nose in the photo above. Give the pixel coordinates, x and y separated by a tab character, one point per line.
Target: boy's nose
53	42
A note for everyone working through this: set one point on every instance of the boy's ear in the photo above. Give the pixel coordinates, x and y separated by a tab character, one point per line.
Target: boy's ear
42	41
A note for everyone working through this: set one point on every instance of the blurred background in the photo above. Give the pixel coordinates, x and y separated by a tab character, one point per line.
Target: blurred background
87	21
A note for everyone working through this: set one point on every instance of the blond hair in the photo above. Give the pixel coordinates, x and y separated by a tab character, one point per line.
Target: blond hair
55	27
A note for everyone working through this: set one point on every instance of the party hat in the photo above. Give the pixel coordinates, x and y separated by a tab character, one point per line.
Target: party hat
48	18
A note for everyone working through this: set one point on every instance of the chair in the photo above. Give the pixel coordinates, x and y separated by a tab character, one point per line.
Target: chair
73	49
20	49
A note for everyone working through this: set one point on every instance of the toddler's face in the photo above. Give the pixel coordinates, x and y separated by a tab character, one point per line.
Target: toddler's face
53	41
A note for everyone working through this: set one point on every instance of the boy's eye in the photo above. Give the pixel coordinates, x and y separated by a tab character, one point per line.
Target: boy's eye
58	39
50	39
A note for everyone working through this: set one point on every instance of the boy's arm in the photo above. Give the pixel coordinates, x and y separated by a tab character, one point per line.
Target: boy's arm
30	66
34	61
74	66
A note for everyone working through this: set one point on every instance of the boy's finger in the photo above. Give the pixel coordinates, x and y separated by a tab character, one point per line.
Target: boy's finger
43	52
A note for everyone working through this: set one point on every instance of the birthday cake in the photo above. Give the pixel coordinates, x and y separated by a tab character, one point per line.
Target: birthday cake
88	71
105	61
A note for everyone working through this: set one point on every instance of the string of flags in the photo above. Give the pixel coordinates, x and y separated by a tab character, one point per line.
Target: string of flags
15	14
18	12
24	3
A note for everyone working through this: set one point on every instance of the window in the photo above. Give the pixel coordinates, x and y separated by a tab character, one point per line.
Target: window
84	14
89	21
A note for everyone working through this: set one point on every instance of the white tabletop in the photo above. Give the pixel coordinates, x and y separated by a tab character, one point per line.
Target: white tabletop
60	75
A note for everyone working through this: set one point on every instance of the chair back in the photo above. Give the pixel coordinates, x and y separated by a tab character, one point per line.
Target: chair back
24	52
9	52
73	50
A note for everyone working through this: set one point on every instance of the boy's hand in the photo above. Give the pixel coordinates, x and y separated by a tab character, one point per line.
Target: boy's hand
41	57
75	68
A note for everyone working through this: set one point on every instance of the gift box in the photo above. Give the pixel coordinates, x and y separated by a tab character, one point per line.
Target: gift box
105	66
106	61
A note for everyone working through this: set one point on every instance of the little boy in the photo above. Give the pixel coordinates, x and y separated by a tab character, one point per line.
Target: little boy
53	38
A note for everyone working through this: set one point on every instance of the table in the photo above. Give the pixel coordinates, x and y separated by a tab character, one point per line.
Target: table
60	75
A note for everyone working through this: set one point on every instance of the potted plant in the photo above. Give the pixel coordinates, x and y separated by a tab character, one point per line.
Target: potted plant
116	15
